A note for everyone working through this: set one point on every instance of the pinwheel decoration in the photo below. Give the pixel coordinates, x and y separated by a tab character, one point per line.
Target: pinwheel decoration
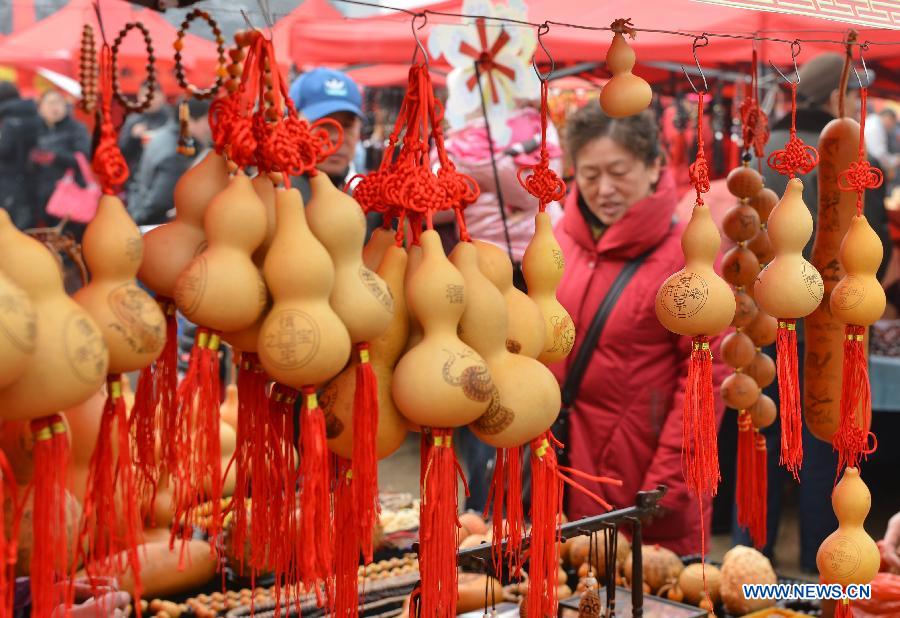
499	54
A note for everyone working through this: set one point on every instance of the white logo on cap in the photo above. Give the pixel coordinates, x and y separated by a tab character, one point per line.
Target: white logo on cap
335	88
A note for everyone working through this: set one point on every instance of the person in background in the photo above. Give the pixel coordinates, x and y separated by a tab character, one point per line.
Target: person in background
626	421
150	195
18	117
138	128
59	137
881	142
817	104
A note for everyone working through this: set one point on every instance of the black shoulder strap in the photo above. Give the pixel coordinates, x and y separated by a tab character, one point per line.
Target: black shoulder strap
575	375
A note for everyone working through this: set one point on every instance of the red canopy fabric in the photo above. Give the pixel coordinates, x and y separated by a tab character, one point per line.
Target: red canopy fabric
55	43
309	11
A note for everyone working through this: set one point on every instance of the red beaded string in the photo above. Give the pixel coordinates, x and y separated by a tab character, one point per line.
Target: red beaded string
542	182
860	175
699	169
796	156
108	164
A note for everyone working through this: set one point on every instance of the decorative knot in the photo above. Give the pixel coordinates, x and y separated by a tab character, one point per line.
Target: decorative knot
543	182
109	165
755	126
795	158
859	176
699	171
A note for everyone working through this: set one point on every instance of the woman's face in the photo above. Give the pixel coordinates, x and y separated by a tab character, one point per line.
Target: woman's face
52	108
611	179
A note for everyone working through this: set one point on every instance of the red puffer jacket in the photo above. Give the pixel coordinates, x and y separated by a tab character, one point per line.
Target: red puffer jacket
627	420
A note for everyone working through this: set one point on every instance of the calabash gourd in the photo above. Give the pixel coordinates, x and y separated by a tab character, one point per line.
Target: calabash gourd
859	297
789	287
744	182
526	332
849	555
761	369
737	350
359	296
302	341
542	265
337	398
373	253
763	203
17	331
221	288
70	358
625	94
414	253
132	323
169	248
526	397
441	382
745	309
696	301
763	412
739	391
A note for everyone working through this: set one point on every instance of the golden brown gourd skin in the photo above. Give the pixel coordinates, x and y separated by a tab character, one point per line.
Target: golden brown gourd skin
17	331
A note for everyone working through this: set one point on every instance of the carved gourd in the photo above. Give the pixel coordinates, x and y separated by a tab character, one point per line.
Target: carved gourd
70	359
859	297
625	94
302	341
526	331
441	382
222	289
169	248
132	323
543	264
526	398
17	331
360	297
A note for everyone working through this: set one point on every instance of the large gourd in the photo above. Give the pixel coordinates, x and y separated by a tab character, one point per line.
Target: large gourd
221	288
132	323
526	334
169	248
17	331
337	398
70	358
525	400
625	94
542	265
414	253
441	382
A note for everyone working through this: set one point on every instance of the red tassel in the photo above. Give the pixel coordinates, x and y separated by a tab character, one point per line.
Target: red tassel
843	609
365	460
758	522
546	507
8	542
49	538
745	488
852	437
700	451
199	463
110	478
166	383
347	543
495	503
315	499
515	517
789	394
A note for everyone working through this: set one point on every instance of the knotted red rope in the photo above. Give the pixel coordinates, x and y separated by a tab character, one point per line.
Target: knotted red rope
699	169
543	182
754	123
108	164
796	157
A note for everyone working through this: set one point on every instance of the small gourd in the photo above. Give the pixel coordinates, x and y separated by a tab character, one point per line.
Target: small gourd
221	288
70	359
739	391
360	297
789	287
849	555
441	382
17	331
526	330
763	412
526	398
764	203
744	182
132	323
542	265
336	400
737	350
761	369
625	94
859	298
169	248
302	341
373	253
696	301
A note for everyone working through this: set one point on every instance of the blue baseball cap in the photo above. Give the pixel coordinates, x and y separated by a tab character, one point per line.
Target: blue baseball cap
322	91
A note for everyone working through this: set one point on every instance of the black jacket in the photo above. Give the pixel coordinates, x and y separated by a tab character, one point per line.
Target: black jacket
150	196
18	123
64	139
131	147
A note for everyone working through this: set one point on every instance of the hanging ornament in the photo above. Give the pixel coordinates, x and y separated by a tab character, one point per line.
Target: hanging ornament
625	94
87	71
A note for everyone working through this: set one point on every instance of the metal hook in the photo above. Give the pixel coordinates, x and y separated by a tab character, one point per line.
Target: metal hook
795	51
543	29
865	70
100	20
415	32
697	43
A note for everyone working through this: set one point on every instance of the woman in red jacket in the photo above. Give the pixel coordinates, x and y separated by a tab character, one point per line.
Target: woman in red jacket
627	419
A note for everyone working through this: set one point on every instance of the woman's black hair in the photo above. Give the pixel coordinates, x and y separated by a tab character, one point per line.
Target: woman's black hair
638	134
8	90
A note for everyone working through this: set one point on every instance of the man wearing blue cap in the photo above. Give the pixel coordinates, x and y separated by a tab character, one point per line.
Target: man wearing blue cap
326	93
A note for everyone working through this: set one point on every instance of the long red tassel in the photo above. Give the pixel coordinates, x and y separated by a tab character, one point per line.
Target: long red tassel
8	542
700	451
515	517
50	541
852	437
546	507
166	383
438	526
347	543
843	609
365	460
746	468
789	395
276	502
199	463
758	521
495	503
315	498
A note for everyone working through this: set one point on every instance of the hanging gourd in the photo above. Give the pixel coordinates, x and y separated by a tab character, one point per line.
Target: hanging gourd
849	555
17	327
789	287
625	94
858	300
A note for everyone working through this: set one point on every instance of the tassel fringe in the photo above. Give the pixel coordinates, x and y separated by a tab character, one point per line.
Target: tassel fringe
758	522
315	499
346	543
851	440
546	507
700	452
365	460
789	394
746	469
8	540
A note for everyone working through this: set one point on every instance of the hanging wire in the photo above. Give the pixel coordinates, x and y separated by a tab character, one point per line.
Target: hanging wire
795	51
541	31
415	32
697	43
862	59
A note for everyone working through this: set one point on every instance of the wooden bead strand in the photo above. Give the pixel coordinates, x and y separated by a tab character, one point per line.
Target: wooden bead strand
87	71
236	67
221	68
140	106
